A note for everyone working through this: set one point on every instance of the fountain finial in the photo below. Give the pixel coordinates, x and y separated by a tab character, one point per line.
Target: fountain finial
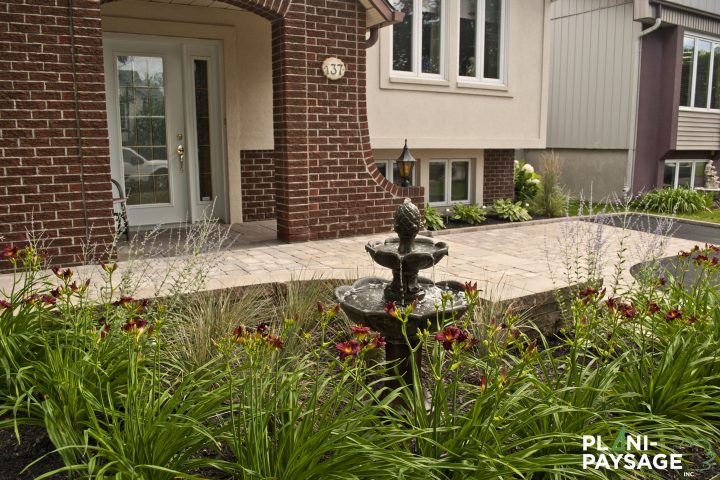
408	223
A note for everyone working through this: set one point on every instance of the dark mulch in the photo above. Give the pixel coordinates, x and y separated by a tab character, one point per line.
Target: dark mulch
489	220
34	443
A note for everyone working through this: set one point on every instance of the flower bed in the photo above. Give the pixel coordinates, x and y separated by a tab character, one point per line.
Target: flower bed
254	385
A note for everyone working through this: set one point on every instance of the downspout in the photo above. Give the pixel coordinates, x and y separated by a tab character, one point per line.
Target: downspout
629	174
76	100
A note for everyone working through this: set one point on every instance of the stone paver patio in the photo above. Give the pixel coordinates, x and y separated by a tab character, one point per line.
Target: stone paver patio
507	263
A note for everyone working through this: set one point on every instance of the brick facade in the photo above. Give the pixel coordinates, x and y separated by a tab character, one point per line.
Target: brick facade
56	180
53	181
257	176
498	179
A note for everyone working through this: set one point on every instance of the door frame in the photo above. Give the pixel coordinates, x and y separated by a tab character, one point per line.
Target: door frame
187	50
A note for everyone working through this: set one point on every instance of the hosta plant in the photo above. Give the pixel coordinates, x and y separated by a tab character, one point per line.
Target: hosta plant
508	210
470	214
433	219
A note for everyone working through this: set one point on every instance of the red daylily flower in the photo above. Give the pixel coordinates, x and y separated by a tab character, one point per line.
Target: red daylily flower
135	325
109	267
653	308
611	304
105	330
377	342
361	333
62	274
391	309
9	252
350	348
451	335
627	310
5	304
471	290
673	314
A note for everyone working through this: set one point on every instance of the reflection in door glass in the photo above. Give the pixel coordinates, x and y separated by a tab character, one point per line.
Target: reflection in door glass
142	126
202	122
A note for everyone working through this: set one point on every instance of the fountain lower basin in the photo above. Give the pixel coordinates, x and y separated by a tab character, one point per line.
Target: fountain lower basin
364	302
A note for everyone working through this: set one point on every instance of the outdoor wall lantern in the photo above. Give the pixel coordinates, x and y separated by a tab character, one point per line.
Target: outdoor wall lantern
405	164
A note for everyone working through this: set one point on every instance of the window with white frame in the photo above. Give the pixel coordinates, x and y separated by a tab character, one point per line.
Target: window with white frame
480	54
418	42
684	173
700	79
389	169
449	182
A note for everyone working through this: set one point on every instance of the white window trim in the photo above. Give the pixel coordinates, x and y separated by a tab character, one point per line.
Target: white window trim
416	56
676	165
479	78
448	181
714	42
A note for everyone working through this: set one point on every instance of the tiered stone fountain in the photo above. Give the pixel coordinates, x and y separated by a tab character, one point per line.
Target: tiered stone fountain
364	302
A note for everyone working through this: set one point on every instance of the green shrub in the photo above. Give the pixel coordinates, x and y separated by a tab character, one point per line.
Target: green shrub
433	219
674	200
550	200
526	181
508	210
470	214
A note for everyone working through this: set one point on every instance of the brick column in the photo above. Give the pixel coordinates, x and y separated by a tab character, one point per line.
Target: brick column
327	185
498	175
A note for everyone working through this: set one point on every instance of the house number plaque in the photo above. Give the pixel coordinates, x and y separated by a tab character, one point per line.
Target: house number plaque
333	68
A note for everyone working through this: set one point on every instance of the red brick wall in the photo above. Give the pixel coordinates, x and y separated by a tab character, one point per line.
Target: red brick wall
498	181
257	173
47	184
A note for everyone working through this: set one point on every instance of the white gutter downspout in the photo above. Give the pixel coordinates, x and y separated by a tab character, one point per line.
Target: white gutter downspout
629	174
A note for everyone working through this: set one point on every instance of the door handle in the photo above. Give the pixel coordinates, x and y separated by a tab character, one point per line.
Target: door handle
181	156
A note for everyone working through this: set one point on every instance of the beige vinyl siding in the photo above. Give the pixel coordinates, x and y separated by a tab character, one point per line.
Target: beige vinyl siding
712	6
591	74
698	130
564	8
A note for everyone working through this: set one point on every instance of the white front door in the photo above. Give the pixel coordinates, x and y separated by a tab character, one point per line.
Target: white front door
165	130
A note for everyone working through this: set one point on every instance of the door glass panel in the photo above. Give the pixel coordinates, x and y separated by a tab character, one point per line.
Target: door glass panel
437	182
142	126
202	122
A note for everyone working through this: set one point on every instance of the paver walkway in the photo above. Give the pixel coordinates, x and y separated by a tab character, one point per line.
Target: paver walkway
506	262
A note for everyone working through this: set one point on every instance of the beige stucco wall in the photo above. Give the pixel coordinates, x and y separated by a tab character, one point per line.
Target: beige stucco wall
449	116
